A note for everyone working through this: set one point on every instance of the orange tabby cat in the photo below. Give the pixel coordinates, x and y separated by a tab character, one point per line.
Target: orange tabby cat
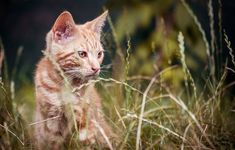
73	57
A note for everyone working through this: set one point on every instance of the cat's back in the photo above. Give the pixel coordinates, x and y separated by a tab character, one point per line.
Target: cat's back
42	65
47	81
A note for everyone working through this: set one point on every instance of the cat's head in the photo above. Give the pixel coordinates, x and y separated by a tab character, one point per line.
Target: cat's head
77	48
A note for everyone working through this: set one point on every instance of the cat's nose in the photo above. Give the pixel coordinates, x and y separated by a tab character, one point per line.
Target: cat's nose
95	69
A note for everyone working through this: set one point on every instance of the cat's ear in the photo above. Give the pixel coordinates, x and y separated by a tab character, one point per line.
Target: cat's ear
64	27
97	24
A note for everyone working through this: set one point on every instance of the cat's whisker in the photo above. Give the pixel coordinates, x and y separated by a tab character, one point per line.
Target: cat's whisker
68	77
106	71
72	71
106	66
101	74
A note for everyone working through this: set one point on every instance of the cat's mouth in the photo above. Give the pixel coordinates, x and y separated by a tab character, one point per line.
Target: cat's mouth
92	75
77	80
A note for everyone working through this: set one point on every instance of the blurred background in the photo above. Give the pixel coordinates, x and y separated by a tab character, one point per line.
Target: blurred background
26	22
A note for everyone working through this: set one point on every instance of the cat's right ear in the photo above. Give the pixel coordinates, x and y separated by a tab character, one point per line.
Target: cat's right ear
64	27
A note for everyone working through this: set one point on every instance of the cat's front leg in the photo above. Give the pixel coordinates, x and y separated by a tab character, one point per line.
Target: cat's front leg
87	135
86	128
104	135
97	131
55	128
46	133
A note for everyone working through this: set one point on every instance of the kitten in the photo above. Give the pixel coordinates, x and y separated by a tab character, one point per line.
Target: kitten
73	57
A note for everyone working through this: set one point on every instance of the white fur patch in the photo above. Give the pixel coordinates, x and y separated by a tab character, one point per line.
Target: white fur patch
83	135
67	96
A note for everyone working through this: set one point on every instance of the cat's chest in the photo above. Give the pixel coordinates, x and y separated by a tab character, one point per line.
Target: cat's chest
67	95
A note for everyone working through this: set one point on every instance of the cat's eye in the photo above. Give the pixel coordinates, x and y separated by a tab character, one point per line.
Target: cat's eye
82	54
100	54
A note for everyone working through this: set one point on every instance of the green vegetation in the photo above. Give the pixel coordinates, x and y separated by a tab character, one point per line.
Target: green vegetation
158	94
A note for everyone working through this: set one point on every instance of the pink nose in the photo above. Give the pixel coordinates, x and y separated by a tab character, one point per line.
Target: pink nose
95	69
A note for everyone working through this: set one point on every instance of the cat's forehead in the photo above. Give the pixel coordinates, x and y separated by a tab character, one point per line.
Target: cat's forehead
85	33
87	40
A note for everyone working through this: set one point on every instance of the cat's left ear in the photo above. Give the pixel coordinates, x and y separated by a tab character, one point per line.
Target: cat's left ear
64	27
97	24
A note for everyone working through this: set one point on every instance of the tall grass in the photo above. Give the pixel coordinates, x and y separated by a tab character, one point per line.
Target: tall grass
13	132
144	111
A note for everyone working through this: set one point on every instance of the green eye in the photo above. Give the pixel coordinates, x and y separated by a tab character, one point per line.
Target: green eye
100	54
82	54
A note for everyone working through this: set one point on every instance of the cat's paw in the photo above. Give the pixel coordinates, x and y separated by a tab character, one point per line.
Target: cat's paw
86	136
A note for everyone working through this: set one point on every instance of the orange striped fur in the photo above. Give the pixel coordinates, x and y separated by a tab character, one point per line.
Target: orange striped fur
78	52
